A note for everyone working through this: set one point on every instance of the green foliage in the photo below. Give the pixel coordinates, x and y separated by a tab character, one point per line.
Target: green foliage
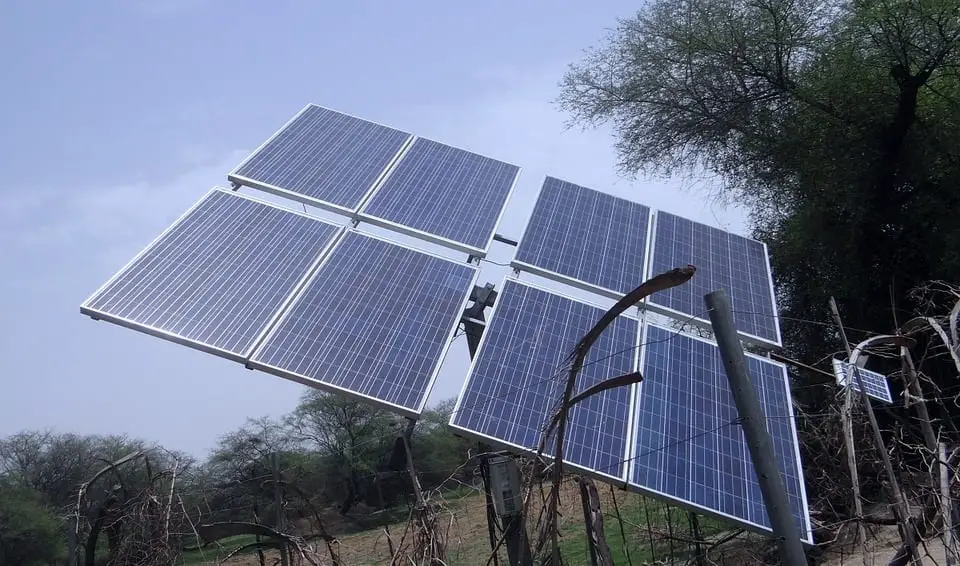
211	553
355	440
334	455
443	453
120	513
30	533
126	511
835	121
56	464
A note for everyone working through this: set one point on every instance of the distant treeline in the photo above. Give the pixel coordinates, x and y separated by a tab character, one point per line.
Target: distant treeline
339	462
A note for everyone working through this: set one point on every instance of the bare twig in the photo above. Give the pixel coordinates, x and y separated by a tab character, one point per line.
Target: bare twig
193	528
898	502
577	358
173	483
623	533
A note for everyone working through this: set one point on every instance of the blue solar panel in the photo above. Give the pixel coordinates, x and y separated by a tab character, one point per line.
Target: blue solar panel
374	321
725	261
688	445
323	158
875	383
444	194
216	278
586	236
517	378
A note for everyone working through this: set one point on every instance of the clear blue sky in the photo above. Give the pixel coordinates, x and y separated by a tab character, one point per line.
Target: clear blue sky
116	115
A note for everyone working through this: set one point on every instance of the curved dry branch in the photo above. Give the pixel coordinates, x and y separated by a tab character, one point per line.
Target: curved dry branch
86	485
954	313
880	340
578	355
614	382
215	531
951	347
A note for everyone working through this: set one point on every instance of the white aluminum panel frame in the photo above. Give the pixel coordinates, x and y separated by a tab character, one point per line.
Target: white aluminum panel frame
651	304
503	209
241	180
509	446
565	280
773	295
805	536
362	216
251	363
634	399
151	330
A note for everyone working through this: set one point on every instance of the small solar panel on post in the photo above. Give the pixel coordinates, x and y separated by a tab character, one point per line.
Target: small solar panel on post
758	439
898	503
876	383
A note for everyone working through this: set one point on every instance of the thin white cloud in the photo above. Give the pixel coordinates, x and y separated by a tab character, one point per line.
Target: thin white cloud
106	222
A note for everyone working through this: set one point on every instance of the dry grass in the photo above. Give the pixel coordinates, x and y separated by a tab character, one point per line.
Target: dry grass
882	544
468	541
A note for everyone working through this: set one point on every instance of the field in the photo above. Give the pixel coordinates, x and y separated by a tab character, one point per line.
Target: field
646	524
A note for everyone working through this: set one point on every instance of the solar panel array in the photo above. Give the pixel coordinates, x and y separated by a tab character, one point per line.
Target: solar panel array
374	322
686	441
217	277
385	177
351	313
455	196
875	383
689	446
517	379
598	242
281	292
724	261
273	289
323	158
586	238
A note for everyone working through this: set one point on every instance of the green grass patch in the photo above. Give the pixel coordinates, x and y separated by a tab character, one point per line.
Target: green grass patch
648	526
646	523
212	551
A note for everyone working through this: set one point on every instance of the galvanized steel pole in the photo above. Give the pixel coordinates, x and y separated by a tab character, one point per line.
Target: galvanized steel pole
754	429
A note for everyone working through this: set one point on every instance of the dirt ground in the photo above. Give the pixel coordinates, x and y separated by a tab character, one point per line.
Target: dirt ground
881	547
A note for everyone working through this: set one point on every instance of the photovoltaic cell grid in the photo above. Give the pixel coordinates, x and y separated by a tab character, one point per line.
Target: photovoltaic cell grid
724	261
517	378
323	157
441	191
875	383
217	277
375	321
578	233
688	445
